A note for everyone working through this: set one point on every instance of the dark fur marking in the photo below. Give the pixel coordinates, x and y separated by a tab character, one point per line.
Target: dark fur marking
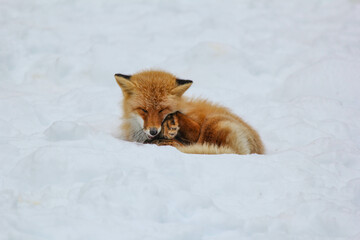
123	76
182	82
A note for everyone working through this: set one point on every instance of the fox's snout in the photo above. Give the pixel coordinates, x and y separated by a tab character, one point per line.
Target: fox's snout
152	131
152	121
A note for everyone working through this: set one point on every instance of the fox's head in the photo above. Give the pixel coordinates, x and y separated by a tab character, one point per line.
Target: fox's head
149	97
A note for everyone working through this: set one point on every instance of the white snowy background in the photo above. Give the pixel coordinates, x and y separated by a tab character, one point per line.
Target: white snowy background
289	68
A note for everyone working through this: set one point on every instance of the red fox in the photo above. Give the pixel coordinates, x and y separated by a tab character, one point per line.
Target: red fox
155	111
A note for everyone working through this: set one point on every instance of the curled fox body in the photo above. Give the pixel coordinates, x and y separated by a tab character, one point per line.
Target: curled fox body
155	111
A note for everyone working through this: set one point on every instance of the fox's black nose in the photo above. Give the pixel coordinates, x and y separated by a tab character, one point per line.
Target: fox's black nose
153	131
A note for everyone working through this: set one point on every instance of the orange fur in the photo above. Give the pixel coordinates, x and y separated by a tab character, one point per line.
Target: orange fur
150	96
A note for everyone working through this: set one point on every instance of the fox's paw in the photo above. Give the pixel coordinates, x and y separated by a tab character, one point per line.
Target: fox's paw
170	126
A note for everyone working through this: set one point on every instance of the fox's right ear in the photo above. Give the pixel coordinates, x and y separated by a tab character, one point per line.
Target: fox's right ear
124	82
181	87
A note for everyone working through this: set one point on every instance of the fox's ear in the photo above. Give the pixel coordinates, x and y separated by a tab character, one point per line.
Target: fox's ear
124	82
181	87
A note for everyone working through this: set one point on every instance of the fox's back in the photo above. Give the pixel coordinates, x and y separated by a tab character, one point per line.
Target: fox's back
200	109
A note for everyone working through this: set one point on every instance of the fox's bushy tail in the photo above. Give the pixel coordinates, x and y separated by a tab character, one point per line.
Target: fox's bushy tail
206	149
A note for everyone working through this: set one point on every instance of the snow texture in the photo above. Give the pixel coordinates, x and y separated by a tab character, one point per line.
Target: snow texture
289	68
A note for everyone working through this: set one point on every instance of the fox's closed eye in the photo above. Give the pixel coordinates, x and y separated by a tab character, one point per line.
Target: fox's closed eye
143	110
163	110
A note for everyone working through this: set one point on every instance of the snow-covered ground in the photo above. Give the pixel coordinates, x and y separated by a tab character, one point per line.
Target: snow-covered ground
289	68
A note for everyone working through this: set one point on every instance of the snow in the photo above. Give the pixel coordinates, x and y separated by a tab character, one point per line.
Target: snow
289	68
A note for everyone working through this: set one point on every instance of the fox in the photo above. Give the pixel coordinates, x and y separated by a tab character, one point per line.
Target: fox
155	111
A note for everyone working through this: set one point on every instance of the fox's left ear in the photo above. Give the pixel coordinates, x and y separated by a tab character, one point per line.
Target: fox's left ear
124	82
181	87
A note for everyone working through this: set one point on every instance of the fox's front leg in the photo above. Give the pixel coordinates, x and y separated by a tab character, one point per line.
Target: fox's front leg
180	126
189	130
